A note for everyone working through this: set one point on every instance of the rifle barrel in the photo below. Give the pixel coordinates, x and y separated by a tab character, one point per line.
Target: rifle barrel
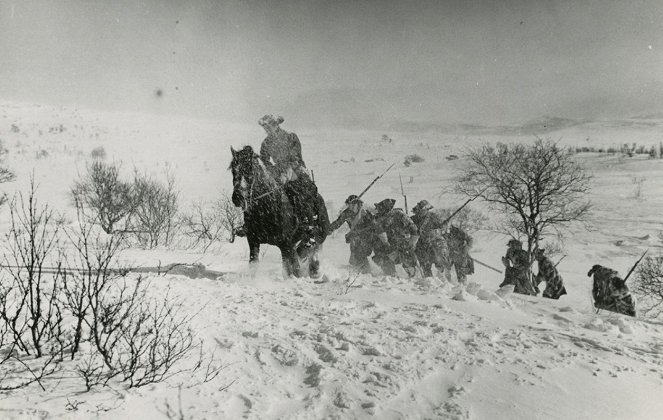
635	265
375	180
485	265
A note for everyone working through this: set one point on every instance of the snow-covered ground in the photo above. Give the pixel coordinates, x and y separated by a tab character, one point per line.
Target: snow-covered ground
365	347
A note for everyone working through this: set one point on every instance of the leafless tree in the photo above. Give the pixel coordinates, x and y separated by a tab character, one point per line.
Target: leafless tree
467	219
538	187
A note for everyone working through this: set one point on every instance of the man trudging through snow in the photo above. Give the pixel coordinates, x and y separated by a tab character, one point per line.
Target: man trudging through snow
281	152
362	234
460	243
548	273
610	291
397	238
432	246
517	266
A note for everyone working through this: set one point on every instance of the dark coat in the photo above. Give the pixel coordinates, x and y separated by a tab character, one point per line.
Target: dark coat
280	151
610	291
554	282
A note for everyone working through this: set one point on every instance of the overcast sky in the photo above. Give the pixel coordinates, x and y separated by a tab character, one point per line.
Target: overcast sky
497	61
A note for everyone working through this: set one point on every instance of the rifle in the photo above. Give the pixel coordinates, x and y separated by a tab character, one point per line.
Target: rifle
560	260
635	265
375	180
403	193
463	206
485	265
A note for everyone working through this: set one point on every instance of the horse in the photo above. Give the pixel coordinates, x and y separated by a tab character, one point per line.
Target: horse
269	216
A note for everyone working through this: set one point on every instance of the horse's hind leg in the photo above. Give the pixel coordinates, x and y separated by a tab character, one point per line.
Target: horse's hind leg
314	266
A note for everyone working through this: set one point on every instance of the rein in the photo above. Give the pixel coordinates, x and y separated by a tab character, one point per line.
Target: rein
251	200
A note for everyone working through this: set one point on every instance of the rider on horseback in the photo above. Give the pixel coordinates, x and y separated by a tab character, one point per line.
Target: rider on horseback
281	152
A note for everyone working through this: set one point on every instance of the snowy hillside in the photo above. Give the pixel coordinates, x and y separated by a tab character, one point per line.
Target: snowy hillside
348	346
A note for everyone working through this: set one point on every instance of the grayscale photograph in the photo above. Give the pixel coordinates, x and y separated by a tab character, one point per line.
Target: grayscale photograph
315	209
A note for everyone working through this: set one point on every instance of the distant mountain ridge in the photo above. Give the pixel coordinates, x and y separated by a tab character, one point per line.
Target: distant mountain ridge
541	125
458	108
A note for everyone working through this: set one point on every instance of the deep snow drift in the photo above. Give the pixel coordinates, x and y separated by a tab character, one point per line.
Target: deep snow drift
365	347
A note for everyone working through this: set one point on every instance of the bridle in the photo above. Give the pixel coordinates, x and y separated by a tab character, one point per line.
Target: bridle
250	201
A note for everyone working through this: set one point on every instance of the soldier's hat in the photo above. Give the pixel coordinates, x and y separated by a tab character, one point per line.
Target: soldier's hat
539	252
422	205
385	205
352	198
593	269
269	119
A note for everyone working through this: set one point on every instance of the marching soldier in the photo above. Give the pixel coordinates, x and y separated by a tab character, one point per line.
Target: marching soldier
432	246
460	244
548	273
361	236
397	237
610	291
516	262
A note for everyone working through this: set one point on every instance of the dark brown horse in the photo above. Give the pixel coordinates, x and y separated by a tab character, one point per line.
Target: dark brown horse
269	216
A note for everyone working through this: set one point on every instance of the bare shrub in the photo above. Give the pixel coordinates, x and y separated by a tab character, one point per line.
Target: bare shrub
6	175
410	159
232	217
98	153
209	223
139	339
101	190
653	152
94	266
648	286
629	150
637	189
28	296
154	217
32	338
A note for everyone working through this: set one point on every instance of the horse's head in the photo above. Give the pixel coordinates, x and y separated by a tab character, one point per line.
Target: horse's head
242	166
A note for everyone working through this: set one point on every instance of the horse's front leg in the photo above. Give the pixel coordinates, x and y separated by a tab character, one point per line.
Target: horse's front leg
290	261
254	251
